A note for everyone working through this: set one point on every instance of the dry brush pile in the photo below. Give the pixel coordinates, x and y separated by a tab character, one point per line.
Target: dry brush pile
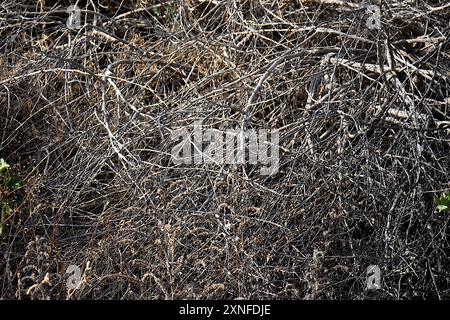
86	117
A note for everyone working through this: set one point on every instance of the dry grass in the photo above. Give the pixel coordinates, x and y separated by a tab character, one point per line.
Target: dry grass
363	115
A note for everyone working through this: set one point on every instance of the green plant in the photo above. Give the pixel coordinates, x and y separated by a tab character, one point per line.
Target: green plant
170	11
11	193
443	202
166	10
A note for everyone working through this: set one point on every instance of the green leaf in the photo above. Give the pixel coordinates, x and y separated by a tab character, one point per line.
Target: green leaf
15	182
443	202
3	165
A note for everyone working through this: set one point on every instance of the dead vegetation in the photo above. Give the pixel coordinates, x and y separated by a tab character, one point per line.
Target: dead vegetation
363	114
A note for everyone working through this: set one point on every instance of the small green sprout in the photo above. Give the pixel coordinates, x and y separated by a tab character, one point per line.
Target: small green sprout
3	166
443	202
11	193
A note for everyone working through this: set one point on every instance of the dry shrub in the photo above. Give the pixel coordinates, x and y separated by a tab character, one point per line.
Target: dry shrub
363	115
